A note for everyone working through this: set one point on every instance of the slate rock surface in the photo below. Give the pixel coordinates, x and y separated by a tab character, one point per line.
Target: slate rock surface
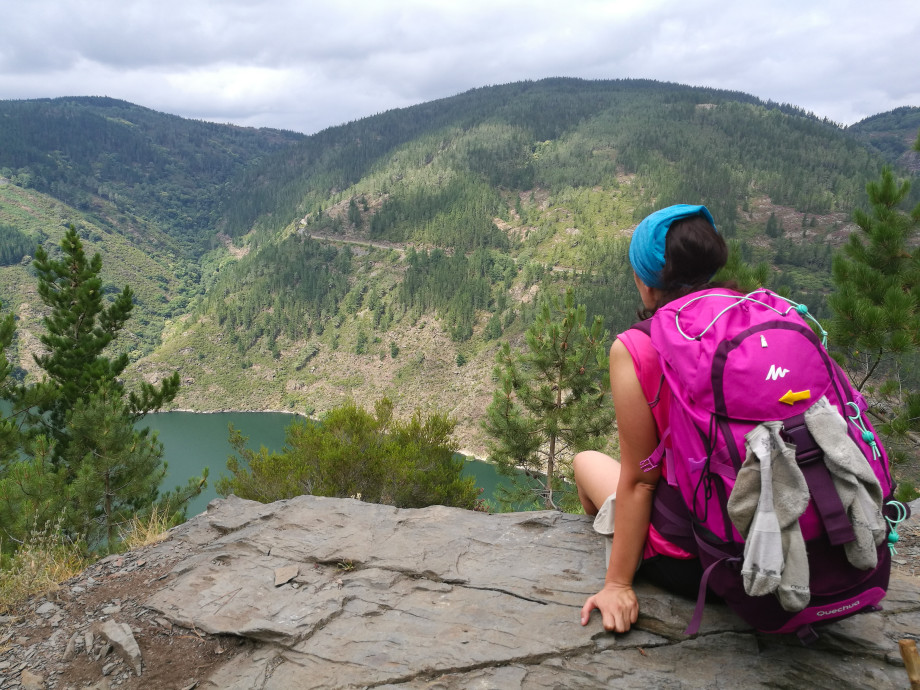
447	598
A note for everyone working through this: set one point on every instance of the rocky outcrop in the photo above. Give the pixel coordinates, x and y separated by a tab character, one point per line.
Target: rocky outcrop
333	593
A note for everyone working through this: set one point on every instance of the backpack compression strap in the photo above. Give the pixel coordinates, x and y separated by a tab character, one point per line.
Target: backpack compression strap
810	458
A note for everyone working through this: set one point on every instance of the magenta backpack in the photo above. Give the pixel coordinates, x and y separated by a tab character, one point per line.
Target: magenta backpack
749	365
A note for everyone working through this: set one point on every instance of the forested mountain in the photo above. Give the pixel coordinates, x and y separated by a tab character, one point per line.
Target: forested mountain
700	134
390	255
164	282
107	157
893	134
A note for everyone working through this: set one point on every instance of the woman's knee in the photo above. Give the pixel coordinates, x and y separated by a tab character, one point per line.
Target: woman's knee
596	477
589	462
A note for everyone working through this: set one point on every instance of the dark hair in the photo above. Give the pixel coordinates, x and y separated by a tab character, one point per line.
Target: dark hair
693	253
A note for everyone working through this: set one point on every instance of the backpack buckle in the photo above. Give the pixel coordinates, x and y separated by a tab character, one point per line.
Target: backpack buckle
807	635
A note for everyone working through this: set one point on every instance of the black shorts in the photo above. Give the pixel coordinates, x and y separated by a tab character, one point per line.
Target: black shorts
677	575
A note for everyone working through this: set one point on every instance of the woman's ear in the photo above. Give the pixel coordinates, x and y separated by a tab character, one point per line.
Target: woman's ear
648	295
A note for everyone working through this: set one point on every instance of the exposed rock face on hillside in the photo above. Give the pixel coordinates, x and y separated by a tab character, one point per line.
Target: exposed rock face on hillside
326	593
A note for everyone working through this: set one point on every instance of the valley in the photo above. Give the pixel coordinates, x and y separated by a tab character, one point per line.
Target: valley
392	255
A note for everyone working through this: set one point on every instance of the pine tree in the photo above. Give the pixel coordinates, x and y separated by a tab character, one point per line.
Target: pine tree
116	469
876	305
354	215
79	329
774	226
9	433
33	492
737	269
82	457
552	400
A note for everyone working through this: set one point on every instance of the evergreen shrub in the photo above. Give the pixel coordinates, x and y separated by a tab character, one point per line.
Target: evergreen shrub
351	453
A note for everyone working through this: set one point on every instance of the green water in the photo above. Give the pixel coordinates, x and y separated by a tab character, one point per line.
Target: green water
193	441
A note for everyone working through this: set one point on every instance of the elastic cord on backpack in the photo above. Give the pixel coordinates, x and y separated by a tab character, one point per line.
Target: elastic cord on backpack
738	299
705	479
893	535
866	435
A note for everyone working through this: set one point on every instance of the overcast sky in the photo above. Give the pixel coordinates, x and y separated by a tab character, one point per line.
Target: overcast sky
306	65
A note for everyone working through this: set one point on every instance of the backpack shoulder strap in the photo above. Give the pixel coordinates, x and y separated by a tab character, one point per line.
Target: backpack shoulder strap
648	367
644	326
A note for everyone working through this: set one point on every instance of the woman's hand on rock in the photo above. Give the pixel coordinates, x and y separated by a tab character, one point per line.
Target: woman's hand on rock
618	605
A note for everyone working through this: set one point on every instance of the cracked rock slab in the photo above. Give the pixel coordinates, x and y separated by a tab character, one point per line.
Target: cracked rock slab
340	593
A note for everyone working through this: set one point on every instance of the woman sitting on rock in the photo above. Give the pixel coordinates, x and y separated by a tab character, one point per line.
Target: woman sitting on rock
673	252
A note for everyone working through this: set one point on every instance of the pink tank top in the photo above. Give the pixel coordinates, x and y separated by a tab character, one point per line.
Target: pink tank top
654	388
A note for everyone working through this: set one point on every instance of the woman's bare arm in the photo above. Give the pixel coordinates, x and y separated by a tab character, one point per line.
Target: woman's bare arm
638	438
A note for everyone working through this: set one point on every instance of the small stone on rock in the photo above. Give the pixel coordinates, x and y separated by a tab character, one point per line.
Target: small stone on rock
47	609
72	645
31	681
122	639
285	574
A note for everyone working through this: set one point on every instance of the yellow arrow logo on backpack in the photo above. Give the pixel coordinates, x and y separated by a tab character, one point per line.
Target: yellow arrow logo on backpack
792	397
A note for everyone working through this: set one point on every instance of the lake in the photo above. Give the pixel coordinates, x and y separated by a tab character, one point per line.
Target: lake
194	440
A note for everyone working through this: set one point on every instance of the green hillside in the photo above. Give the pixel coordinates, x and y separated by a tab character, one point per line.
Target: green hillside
107	158
163	282
892	134
391	255
687	140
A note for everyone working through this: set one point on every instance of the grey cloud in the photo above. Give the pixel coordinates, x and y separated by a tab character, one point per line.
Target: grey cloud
306	66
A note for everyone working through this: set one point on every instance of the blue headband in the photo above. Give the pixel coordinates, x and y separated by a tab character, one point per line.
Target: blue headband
646	249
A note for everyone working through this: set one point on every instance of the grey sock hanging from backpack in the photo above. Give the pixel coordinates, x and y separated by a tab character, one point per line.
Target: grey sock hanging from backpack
769	495
854	480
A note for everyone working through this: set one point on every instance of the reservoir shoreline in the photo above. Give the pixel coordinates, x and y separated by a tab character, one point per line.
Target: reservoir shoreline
194	440
462	451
